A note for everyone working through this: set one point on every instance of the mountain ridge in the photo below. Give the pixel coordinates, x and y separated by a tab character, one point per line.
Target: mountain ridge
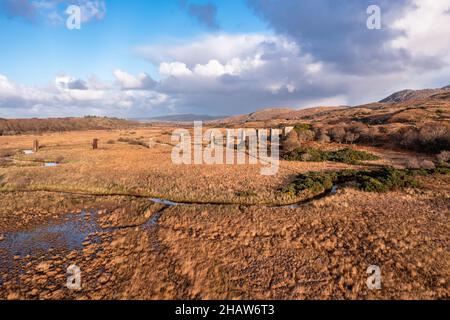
180	118
409	94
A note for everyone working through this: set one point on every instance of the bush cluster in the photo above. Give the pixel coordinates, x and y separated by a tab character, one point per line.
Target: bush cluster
346	155
383	180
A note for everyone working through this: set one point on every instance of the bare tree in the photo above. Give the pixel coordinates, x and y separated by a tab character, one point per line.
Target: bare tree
291	142
337	134
351	137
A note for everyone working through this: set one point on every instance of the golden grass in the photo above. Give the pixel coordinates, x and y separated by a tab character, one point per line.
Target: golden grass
121	168
203	251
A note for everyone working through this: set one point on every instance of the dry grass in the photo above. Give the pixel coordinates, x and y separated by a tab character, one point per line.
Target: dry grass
216	251
131	169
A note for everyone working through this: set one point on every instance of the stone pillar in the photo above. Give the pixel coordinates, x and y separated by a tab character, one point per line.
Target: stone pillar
35	146
243	137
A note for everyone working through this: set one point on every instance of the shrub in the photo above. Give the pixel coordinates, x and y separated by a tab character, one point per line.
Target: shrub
322	137
337	134
351	137
312	181
443	157
351	156
371	135
434	137
291	142
427	164
306	157
347	155
304	132
383	180
301	127
407	137
412	163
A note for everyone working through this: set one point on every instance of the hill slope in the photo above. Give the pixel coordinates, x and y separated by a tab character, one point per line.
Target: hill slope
180	118
285	114
408	106
23	126
407	95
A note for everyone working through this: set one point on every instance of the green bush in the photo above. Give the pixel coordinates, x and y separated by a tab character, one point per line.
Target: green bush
383	180
302	127
386	179
347	155
312	181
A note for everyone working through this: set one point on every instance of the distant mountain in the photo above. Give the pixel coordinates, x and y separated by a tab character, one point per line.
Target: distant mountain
278	114
406	95
180	118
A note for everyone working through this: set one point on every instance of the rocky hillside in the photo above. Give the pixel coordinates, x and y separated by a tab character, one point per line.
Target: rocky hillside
407	107
407	95
280	114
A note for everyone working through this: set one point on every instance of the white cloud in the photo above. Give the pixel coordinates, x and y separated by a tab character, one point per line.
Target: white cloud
175	69
67	98
212	69
6	87
426	29
222	47
128	81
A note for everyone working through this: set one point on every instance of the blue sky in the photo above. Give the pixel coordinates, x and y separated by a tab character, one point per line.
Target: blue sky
145	58
101	46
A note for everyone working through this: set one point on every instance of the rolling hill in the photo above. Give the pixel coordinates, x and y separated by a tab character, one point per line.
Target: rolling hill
24	126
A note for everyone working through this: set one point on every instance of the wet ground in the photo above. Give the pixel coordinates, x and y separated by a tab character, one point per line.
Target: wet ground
74	231
69	234
17	249
319	248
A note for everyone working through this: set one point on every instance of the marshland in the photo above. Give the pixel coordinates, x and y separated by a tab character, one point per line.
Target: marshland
141	227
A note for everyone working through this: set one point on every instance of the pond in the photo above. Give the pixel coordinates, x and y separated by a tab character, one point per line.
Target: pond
69	234
51	164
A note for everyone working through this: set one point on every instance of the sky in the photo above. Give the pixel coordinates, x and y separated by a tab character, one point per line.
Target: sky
141	58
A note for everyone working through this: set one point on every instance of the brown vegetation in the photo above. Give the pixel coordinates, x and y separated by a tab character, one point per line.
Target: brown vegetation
22	126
